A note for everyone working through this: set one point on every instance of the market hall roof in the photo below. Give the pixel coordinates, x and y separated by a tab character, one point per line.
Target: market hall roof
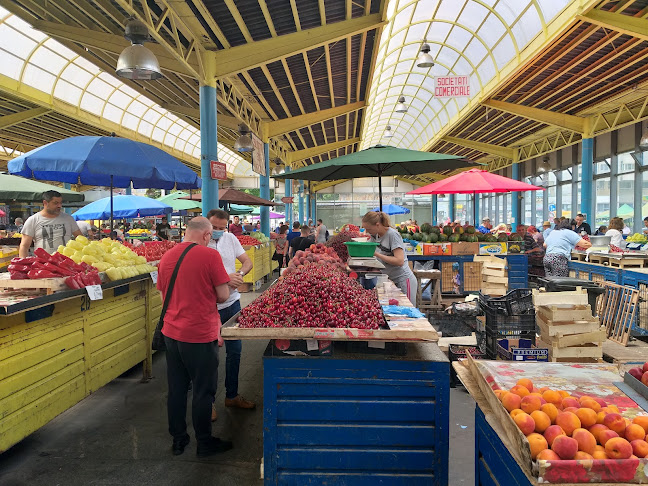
310	74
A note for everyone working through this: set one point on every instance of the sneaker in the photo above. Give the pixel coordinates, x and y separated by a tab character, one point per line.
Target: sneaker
179	445
214	414
239	402
213	446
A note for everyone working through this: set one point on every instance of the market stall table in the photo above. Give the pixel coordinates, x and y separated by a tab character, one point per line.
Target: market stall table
57	349
371	409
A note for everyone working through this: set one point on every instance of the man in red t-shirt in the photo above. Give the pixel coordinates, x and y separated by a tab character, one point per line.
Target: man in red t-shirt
191	332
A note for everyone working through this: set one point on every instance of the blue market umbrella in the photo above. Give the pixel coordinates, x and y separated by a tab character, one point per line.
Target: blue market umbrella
105	161
123	207
393	209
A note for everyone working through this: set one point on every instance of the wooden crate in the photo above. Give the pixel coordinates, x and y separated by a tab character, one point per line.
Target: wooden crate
49	285
447	275
472	276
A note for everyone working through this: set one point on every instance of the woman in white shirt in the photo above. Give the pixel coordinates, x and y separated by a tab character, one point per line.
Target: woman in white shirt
615	229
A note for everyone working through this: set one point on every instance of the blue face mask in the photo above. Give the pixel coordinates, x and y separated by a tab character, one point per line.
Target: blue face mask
217	234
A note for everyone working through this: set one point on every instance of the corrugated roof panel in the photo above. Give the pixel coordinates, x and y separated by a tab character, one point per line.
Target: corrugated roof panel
309	15
339	72
254	20
280	79
226	23
267	91
256	95
300	78
282	16
335	10
369	47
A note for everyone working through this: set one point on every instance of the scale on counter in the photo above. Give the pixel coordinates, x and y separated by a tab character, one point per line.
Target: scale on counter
636	246
368	267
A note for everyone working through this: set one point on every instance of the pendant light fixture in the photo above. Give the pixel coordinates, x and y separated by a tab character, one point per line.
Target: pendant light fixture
643	141
544	166
388	132
424	59
401	107
136	61
244	142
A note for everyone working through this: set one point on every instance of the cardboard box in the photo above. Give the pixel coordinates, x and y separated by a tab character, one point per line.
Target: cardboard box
446	248
432	249
498	248
521	350
465	248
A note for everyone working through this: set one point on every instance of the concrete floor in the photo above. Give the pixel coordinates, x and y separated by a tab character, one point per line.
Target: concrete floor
118	436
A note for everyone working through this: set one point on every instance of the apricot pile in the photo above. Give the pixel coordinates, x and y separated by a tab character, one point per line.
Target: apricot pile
560	426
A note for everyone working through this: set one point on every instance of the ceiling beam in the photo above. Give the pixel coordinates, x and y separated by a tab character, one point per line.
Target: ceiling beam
325	184
280	127
222	120
625	24
561	120
111	43
487	148
319	149
22	116
253	54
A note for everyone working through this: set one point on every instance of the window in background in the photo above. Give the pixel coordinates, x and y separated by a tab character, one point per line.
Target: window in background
566	197
625	196
602	202
551	198
443	209
508	217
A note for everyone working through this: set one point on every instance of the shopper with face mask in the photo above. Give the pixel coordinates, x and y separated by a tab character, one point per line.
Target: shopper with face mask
230	250
391	252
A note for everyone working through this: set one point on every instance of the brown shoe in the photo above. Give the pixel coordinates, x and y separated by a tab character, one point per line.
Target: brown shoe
214	414
239	402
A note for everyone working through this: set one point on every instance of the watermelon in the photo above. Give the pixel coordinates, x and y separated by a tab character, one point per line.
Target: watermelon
426	228
417	237
490	238
458	230
515	237
454	238
502	237
434	238
447	230
436	230
470	230
472	239
463	237
443	238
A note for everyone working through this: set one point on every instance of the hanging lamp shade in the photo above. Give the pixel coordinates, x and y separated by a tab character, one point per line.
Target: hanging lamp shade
138	62
424	59
401	107
243	143
643	142
388	132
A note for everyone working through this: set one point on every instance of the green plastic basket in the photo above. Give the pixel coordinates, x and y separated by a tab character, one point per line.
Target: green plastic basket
361	248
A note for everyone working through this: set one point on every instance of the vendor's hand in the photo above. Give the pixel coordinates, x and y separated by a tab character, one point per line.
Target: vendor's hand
220	341
236	280
378	255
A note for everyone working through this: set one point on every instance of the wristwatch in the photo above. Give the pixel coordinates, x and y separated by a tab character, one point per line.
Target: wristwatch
240	272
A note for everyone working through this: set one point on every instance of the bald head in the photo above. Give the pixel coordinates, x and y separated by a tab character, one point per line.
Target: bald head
199	231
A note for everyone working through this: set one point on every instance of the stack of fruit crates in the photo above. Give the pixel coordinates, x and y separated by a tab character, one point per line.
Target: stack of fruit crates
567	327
494	275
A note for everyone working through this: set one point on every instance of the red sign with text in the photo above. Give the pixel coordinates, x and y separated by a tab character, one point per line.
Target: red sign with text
287	200
218	170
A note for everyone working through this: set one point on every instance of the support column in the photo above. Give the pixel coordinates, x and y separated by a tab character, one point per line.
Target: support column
301	202
309	207
435	209
208	134
289	207
451	207
515	199
314	207
587	179
477	221
264	186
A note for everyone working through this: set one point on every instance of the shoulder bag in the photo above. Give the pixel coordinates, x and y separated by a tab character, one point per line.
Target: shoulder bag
157	343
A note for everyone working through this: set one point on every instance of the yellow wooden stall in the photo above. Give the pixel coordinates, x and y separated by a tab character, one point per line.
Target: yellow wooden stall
56	350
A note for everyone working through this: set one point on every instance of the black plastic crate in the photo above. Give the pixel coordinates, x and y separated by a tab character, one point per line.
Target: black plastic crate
515	303
454	325
497	323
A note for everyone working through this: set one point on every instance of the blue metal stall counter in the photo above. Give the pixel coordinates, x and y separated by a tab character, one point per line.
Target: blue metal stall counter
356	418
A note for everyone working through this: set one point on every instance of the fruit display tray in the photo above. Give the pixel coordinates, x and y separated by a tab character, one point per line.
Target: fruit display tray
590	379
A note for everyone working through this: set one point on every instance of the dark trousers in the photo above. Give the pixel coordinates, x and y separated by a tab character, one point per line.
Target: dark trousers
196	363
233	349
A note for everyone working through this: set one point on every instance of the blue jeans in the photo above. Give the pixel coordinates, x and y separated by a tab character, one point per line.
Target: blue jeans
233	350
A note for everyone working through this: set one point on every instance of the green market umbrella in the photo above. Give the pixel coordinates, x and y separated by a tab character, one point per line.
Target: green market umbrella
174	200
238	209
16	188
625	211
378	161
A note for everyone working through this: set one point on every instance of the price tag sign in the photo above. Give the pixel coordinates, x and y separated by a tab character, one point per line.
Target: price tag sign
95	292
154	276
376	344
312	345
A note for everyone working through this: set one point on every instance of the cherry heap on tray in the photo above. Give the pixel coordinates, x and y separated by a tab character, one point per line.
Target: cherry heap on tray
315	294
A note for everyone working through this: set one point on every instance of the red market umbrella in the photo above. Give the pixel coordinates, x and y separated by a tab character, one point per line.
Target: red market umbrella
475	181
2	213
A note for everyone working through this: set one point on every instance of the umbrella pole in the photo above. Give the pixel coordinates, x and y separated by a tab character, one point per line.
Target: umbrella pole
111	203
474	209
380	189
